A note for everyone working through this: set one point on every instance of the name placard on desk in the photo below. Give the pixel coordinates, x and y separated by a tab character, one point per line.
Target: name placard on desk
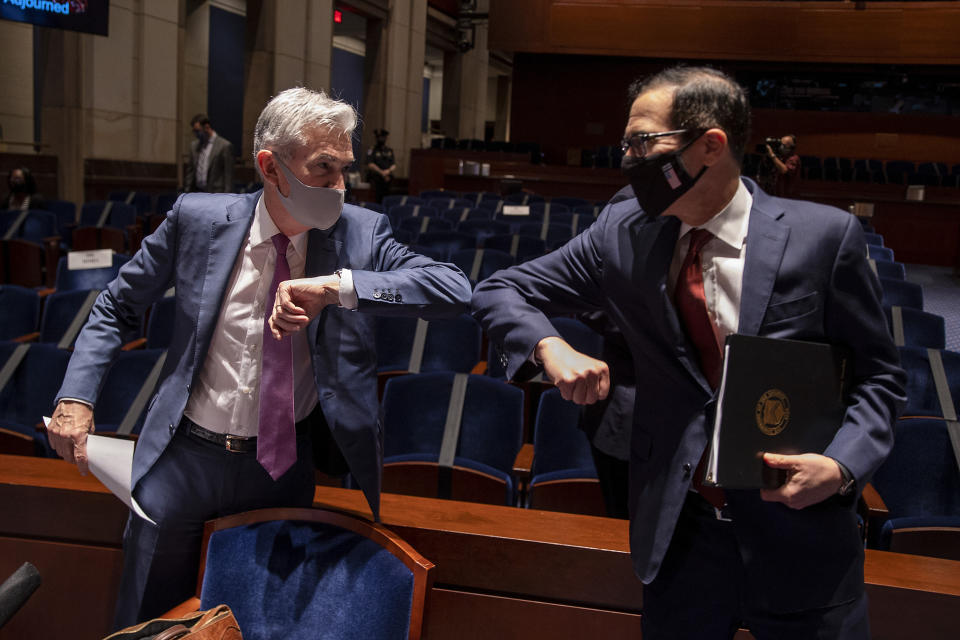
96	259
516	210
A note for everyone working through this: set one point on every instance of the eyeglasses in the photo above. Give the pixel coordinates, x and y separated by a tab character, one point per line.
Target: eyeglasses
638	141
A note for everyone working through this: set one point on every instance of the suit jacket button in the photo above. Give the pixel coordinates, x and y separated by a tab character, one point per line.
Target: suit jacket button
376	294
686	469
389	297
398	298
172	428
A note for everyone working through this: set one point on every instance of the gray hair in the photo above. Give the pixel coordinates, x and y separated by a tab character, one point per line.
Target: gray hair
290	113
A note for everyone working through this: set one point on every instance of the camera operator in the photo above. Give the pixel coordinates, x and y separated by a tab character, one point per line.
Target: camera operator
780	167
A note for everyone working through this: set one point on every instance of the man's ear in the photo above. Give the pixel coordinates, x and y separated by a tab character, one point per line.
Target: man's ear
716	144
268	167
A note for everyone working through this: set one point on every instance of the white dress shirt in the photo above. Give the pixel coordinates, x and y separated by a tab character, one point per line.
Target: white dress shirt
226	395
723	259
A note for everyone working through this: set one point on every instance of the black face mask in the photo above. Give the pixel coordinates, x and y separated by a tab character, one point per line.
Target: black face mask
18	187
659	180
201	136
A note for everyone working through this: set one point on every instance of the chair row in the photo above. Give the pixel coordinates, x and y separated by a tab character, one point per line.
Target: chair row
877	171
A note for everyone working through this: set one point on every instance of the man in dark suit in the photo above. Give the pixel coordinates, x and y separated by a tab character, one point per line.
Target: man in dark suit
237	412
706	255
211	159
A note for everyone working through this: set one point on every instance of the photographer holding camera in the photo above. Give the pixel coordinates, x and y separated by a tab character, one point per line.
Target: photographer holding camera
780	166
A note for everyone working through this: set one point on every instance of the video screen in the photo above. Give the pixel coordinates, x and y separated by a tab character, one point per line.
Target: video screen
89	16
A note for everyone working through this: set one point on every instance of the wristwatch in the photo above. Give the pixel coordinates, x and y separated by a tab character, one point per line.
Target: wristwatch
849	482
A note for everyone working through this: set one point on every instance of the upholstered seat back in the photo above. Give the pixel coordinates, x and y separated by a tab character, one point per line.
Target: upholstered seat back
295	579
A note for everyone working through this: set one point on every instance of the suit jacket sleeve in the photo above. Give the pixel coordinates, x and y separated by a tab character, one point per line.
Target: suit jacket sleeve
403	282
513	305
855	318
117	312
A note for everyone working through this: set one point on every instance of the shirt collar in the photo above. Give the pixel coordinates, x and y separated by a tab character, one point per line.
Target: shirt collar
730	225
264	228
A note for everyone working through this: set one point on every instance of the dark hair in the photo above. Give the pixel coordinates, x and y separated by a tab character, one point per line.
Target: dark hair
200	118
29	184
703	98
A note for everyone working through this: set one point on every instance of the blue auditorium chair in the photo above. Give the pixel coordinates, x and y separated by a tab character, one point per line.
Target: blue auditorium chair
423	224
401	212
563	476
449	344
141	201
481	447
901	293
523	198
68	279
165	202
476	197
19	311
879	253
443	204
921	390
483	229
301	574
570	203
874	239
591	210
64	311
30	392
551	207
128	378
919	485
914	328
553	235
490	261
372	206
394	201
466	214
121	214
892	270
521	248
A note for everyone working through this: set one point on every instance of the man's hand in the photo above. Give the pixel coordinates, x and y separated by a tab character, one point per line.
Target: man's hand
811	478
770	152
299	301
68	429
580	378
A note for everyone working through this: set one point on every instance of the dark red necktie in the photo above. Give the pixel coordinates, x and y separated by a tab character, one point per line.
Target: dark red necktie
691	302
277	436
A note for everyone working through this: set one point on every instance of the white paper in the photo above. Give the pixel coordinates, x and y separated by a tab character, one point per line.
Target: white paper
516	210
111	461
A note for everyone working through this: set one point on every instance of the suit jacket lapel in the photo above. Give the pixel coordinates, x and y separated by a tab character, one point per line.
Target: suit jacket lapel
766	242
323	258
226	241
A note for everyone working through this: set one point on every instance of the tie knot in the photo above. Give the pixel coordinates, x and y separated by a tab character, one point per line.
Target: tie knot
281	242
698	238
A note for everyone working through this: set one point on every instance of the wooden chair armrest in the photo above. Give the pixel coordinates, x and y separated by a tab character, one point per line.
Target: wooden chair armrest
28	337
523	463
182	609
139	343
876	508
480	368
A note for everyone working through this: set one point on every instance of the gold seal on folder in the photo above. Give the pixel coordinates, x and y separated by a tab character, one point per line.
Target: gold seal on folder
772	412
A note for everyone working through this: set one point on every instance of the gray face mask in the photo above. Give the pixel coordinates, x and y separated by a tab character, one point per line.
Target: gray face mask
315	207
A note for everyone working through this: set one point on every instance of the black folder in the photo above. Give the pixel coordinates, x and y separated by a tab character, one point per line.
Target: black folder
778	396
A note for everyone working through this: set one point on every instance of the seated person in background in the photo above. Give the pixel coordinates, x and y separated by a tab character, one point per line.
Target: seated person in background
22	192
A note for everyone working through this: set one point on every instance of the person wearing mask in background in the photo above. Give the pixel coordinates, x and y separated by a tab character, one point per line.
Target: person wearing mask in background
241	415
380	165
21	192
211	159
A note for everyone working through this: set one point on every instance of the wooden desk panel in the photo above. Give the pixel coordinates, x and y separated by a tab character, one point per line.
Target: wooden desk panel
507	568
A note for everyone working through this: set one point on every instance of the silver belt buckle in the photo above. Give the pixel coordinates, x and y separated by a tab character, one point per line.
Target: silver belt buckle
230	440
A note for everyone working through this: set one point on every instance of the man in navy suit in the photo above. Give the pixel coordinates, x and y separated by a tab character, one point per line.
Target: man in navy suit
216	441
707	254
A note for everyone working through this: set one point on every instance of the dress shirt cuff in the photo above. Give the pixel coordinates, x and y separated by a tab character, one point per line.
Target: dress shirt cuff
348	294
78	400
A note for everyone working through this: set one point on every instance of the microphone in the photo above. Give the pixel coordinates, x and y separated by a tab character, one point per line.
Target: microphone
16	590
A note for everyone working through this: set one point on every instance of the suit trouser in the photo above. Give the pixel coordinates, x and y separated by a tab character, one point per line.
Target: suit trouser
699	592
194	481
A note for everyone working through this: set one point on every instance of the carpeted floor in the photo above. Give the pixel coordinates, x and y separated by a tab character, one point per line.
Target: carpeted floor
941	295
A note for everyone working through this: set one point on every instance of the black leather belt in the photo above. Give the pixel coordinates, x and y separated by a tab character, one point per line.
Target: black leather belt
236	444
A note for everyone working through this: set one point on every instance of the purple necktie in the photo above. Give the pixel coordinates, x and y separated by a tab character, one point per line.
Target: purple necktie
277	439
